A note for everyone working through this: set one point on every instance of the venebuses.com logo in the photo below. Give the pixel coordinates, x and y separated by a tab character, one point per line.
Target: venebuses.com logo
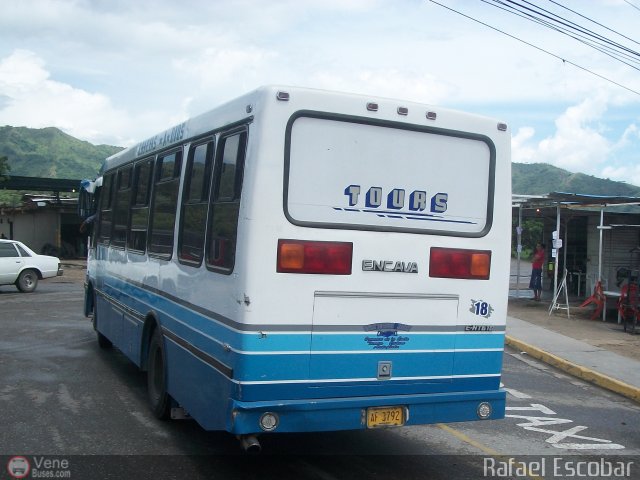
18	467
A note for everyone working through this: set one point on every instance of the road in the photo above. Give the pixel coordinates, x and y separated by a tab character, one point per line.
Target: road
63	399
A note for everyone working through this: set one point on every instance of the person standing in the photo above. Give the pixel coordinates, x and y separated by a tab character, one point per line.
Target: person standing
535	283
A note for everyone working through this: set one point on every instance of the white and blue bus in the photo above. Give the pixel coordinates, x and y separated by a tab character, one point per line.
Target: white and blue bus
301	260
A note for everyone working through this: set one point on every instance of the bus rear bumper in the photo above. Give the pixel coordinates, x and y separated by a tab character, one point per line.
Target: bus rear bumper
310	415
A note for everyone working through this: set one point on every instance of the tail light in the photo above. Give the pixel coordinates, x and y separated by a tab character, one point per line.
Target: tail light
460	263
302	256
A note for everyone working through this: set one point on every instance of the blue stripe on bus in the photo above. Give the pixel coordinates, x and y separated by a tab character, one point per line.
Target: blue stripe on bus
286	356
343	366
416	341
140	299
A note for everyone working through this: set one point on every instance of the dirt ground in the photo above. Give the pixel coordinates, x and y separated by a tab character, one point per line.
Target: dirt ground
608	335
74	271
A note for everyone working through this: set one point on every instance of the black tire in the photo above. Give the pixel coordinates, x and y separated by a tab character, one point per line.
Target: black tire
159	399
27	281
103	342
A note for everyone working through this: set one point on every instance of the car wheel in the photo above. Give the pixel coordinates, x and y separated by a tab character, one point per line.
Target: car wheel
27	281
159	399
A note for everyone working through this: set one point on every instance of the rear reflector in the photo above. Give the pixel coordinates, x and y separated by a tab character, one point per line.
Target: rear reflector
302	256
459	263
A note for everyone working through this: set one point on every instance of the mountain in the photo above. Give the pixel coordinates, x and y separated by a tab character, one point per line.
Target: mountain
540	178
49	152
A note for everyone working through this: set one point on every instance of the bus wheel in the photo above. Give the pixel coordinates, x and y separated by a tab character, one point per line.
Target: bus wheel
157	378
103	342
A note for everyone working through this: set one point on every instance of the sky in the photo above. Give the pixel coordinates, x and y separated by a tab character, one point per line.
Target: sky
118	71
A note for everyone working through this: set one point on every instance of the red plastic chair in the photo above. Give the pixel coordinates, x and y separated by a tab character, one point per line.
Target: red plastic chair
598	298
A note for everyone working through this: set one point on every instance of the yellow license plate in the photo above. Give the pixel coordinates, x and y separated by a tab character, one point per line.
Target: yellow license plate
385	416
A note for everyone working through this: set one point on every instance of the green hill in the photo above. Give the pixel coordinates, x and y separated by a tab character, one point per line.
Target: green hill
540	178
49	152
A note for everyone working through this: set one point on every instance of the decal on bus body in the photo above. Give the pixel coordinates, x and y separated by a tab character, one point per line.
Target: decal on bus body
396	199
389	266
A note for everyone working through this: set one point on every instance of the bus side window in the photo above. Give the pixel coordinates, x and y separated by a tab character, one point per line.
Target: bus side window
137	238
106	200
195	202
225	205
164	204
121	207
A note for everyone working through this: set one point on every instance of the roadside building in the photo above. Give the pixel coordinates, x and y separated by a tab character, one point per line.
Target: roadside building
598	237
47	223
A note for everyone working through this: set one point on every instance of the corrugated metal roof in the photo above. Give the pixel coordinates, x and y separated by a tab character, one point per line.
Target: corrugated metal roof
572	200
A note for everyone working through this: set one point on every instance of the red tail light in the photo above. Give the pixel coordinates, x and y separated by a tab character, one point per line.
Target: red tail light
459	263
302	256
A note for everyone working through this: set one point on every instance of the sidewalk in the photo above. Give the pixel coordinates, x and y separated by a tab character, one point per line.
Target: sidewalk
596	351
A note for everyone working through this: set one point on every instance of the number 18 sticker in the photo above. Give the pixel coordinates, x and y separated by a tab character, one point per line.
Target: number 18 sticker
481	308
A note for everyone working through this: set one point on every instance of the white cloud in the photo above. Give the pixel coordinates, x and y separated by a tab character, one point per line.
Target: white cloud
413	86
521	151
625	173
626	154
585	141
215	67
630	135
31	98
578	144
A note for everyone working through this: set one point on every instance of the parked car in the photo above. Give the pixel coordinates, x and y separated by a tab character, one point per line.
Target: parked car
22	267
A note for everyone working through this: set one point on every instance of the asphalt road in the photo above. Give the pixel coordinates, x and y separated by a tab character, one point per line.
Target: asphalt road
62	399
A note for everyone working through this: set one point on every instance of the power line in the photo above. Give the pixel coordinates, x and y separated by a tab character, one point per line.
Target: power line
595	41
629	3
585	39
572	25
537	48
597	23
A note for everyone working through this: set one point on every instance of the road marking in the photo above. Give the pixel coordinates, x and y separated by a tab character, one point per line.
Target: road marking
533	424
466	439
488	450
515	393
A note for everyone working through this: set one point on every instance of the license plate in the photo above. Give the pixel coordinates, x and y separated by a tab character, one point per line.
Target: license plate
385	416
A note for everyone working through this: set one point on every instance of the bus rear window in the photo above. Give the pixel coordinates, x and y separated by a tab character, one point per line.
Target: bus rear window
377	176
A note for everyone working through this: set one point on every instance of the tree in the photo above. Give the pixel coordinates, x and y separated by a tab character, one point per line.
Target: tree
4	168
532	233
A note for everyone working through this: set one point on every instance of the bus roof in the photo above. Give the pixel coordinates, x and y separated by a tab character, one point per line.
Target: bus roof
245	107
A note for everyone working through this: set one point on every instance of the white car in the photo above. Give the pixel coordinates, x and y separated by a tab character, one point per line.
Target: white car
22	267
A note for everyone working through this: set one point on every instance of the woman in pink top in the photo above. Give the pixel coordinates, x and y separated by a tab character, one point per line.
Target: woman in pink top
536	271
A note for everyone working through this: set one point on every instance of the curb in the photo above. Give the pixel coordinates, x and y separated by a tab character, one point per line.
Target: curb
576	370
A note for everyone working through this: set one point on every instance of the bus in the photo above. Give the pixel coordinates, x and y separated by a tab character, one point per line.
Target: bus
302	260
